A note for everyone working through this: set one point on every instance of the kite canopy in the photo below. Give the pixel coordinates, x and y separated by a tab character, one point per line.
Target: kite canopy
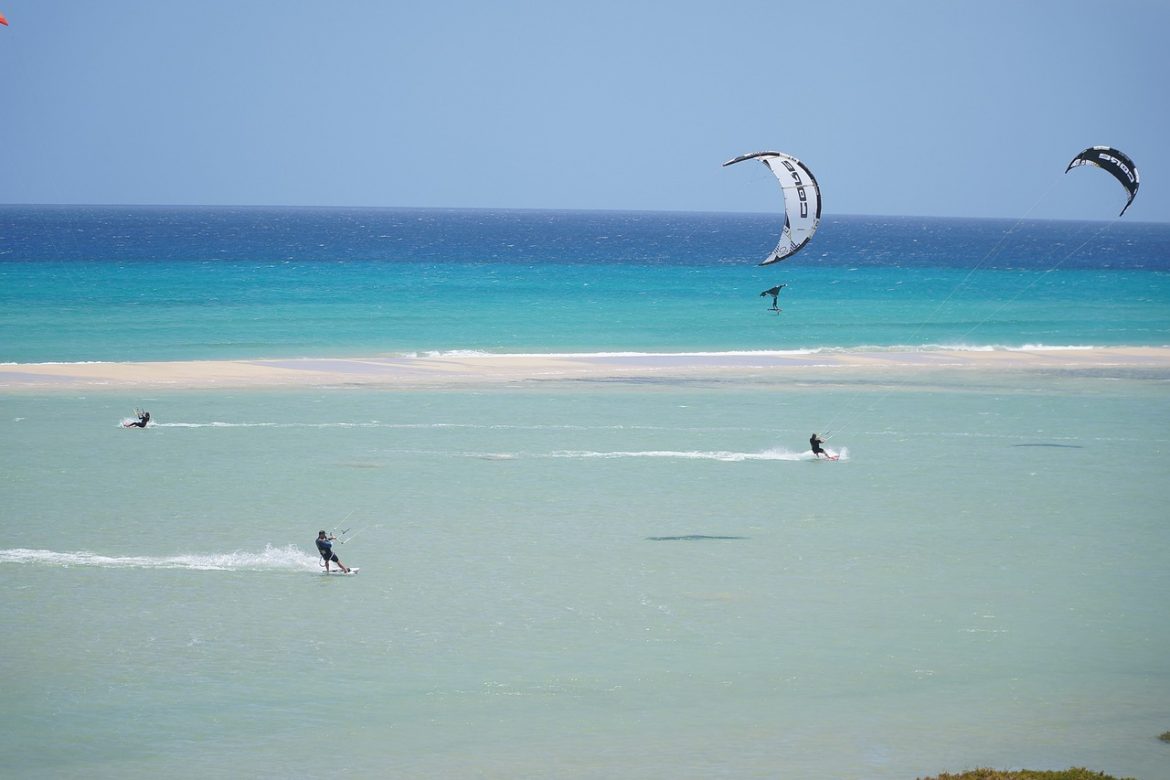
3	21
1115	162
802	201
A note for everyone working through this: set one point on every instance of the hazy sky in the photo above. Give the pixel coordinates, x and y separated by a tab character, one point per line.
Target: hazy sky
923	107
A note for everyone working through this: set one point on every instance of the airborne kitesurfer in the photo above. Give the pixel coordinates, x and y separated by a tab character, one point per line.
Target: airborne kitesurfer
775	293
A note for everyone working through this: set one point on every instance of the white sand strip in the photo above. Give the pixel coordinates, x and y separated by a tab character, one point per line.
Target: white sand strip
431	371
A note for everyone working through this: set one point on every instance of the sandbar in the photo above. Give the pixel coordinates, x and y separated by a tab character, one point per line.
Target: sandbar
460	370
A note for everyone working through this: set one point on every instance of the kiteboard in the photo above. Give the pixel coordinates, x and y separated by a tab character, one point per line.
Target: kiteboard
352	570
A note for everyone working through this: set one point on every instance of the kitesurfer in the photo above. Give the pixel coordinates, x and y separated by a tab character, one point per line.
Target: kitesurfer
815	441
325	546
143	419
775	293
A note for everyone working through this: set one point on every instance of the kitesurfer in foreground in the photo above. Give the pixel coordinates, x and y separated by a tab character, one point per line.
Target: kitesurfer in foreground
815	441
325	546
775	293
143	419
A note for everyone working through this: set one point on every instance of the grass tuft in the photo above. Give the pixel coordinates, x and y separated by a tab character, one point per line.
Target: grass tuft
1075	773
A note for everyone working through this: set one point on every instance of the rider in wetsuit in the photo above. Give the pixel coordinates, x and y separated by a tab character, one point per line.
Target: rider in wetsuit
143	419
775	293
325	546
815	441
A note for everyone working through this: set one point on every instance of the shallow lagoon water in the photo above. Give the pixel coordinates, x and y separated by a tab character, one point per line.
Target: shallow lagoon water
977	582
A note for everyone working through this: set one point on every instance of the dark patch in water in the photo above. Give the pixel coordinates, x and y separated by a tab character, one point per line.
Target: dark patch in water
1056	446
689	538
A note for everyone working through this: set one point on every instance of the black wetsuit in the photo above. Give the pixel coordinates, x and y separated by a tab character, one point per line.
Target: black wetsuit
142	421
775	293
815	442
326	549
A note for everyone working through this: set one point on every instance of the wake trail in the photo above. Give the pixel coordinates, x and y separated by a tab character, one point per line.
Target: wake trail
409	426
727	456
289	558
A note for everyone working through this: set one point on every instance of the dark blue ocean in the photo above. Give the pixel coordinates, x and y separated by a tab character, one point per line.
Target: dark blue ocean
182	283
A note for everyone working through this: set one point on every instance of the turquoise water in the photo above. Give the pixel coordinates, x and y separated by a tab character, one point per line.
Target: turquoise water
585	578
190	284
570	581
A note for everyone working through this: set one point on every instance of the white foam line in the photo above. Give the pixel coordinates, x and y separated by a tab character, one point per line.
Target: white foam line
289	558
426	426
218	424
726	456
720	455
858	349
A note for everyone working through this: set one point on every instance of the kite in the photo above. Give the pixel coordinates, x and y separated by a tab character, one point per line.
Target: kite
802	201
1115	162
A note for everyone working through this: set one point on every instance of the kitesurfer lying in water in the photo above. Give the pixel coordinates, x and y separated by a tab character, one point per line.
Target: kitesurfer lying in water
143	419
815	441
325	545
775	293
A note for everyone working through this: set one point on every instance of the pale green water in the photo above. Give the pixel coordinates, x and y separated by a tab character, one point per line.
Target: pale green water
982	580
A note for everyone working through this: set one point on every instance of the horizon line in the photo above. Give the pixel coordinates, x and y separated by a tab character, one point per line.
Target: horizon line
560	210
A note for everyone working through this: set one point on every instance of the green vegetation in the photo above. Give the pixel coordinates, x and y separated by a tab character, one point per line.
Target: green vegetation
1075	773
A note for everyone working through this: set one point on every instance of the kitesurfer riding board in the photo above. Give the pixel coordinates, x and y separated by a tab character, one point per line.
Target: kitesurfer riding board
815	442
775	293
143	419
325	547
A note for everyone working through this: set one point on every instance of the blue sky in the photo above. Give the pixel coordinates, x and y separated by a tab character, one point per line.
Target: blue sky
923	107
